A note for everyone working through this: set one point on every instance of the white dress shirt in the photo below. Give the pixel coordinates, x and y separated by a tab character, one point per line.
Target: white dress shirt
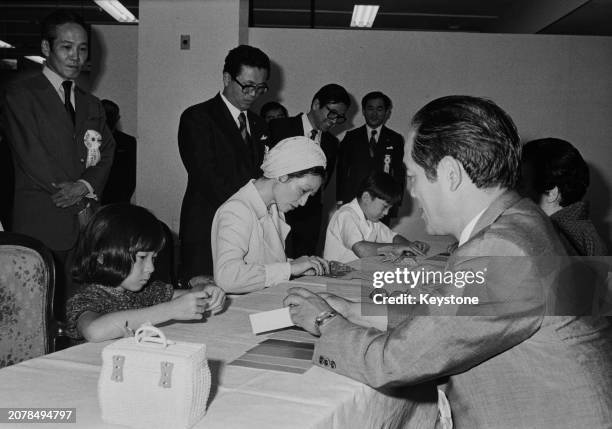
235	112
376	136
308	129
467	230
349	226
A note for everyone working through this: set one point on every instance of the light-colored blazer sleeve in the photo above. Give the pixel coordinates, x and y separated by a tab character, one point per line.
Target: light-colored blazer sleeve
425	347
232	235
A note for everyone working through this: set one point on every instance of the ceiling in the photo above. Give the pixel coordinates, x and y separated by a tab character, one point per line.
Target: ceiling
20	19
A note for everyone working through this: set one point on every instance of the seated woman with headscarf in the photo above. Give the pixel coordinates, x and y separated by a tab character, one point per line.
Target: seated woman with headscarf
249	230
556	177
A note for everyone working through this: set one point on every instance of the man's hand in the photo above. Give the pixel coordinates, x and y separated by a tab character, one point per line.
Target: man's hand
69	193
304	307
341	305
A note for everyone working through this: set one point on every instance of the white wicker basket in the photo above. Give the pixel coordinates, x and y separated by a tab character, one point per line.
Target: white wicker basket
151	382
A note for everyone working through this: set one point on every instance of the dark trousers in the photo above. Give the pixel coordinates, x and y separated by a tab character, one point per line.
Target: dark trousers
196	259
305	224
64	286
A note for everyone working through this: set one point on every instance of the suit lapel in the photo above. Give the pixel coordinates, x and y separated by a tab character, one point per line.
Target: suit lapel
53	105
81	109
257	132
223	117
60	143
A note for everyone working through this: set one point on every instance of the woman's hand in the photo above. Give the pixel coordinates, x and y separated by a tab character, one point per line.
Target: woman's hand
309	266
216	301
421	246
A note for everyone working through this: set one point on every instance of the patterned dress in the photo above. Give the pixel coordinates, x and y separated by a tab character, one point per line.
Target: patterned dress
577	231
104	299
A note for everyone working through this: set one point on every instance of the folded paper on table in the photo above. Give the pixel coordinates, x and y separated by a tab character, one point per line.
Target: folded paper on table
270	320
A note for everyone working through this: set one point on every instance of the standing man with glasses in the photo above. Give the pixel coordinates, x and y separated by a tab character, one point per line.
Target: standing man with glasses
221	143
62	148
328	108
371	147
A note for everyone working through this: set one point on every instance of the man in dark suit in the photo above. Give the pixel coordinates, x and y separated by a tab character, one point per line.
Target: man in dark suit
328	108
62	148
221	143
122	178
371	147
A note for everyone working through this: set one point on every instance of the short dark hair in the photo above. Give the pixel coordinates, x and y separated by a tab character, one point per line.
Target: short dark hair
375	95
332	93
48	27
272	105
245	55
383	186
112	112
107	247
556	162
314	171
474	131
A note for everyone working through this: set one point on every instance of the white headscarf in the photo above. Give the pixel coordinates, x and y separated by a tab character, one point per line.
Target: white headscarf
292	155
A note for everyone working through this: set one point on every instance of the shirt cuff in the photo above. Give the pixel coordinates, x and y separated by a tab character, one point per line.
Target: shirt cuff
91	193
277	272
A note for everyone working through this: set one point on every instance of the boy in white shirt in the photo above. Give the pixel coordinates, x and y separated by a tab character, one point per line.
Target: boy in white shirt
355	230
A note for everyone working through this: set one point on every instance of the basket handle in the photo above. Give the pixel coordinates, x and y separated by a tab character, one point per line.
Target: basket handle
149	333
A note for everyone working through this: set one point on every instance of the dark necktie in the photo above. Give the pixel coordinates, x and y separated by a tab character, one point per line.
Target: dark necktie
313	135
67	85
246	137
243	128
372	143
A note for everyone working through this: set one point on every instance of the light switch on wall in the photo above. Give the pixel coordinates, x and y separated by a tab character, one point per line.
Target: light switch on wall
185	41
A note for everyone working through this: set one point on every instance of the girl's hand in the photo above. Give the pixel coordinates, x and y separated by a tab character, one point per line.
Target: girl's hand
189	306
309	266
216	301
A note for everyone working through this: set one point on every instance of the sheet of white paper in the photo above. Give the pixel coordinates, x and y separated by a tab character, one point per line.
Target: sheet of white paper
270	320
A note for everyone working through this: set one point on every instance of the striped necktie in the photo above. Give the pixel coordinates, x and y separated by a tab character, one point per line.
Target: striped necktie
243	128
372	143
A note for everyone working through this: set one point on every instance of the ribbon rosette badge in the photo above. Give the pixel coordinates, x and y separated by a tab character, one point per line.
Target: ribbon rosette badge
92	140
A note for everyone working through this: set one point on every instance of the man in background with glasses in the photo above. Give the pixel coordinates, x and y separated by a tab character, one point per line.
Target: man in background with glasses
327	109
221	143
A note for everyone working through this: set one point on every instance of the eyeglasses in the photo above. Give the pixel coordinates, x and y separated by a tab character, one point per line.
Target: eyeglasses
252	89
332	115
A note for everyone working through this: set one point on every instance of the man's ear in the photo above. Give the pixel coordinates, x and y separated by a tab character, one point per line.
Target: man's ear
283	179
45	48
387	115
451	170
226	79
552	196
315	104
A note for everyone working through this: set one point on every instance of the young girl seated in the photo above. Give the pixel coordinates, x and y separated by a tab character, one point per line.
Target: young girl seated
114	260
355	230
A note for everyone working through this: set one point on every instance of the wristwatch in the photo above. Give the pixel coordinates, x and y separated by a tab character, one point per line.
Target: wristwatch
323	318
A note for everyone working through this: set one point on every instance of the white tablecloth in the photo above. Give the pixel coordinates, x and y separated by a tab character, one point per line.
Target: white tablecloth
242	397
